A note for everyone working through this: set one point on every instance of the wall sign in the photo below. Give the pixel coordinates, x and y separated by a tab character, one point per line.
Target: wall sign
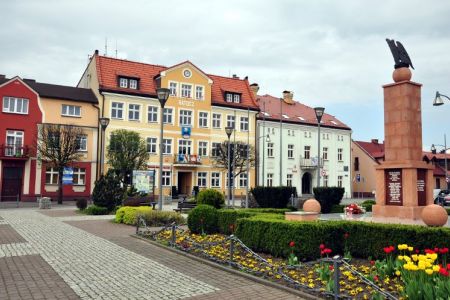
421	187
394	187
67	176
143	181
186	132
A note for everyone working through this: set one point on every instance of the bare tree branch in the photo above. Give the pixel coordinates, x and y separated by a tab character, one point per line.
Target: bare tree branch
238	151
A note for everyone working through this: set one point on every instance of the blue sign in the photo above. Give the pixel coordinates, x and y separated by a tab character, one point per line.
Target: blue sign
358	177
67	176
186	132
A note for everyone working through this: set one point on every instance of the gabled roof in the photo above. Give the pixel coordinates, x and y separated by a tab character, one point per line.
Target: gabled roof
62	92
109	69
374	150
297	113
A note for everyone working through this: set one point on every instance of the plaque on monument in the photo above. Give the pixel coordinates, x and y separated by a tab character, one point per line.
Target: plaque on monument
394	190
421	187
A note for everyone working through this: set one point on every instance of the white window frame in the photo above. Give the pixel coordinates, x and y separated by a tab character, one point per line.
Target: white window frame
182	117
325	180
269	179
289	179
213	148
166	115
307	152
77	174
216	120
165	144
270	147
290	152
153	143
54	174
242	180
214	178
202	179
340	180
203	116
166	178
236	98
199	95
153	113
116	110
234	121
15	105
229	97
123	82
68	110
16	135
82	142
202	148
245	123
134	111
173	90
340	152
186	145
133	84
186	92
325	153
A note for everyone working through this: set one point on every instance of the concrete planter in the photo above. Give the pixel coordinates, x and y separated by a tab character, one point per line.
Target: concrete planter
301	216
45	203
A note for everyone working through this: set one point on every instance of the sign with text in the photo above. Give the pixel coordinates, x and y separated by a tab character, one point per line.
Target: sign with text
143	181
421	187
394	188
67	176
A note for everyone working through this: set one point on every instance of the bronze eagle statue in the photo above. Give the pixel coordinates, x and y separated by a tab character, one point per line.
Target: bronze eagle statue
400	55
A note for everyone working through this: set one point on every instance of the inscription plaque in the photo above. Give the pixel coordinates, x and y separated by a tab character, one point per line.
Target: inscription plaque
394	188
421	187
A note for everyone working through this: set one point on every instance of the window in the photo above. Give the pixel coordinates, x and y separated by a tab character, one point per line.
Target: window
243	180
215	179
186	90
199	92
133	84
307	152
215	149
151	145
185	118
230	121
184	147
15	105
173	88
237	98
81	143
203	119
269	179
325	153
167	146
356	164
289	180
340	181
340	150
123	82
227	180
71	110
202	179
203	148
14	142
51	176
325	180
79	176
229	97
306	134
244	124
133	112
152	114
117	110
291	151
168	116
166	178
270	149
216	119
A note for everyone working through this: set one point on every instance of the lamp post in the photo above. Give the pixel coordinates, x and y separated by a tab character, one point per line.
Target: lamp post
229	130
104	122
163	95
319	114
267	140
438	100
433	150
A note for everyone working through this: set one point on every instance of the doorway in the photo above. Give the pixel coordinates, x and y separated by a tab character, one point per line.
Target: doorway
11	183
184	183
306	183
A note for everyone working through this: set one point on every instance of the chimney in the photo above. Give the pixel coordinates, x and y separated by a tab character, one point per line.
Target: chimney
255	88
374	141
29	80
2	76
288	97
96	52
235	76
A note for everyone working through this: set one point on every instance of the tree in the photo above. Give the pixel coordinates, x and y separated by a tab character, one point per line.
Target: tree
127	151
238	157
108	191
58	147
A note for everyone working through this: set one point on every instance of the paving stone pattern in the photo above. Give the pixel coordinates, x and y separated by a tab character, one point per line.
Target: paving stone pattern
8	235
98	269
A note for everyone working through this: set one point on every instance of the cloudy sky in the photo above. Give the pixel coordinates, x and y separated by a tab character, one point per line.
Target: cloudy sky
329	53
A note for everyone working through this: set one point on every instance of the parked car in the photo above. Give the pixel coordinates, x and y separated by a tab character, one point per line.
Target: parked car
443	198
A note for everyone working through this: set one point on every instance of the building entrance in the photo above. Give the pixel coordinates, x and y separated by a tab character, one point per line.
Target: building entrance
184	183
11	182
306	183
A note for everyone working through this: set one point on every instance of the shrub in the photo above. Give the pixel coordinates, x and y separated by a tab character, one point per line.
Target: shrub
211	197
96	210
162	218
107	191
81	203
337	208
129	214
203	219
368	205
328	196
267	234
275	197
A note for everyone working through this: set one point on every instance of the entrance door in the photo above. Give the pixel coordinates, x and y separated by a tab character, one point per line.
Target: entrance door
306	183
185	183
11	183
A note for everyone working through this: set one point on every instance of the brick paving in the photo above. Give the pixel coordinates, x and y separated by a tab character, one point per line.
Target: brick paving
8	235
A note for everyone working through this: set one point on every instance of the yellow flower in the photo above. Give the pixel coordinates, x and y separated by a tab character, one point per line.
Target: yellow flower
400	257
436	268
414	257
410	249
407	258
397	273
429	271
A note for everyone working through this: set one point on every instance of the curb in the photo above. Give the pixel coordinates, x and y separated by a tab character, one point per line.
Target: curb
264	282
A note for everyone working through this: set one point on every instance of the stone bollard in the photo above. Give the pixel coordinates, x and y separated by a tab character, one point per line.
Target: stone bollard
45	203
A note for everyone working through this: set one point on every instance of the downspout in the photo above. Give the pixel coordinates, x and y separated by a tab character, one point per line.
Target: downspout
98	137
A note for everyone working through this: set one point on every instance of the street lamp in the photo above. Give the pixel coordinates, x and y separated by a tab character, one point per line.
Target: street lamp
104	122
433	150
163	95
229	131
319	114
438	100
264	154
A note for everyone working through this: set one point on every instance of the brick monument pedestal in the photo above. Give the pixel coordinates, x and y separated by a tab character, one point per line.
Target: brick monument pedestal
404	180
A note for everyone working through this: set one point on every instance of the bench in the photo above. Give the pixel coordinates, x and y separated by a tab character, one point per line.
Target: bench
185	205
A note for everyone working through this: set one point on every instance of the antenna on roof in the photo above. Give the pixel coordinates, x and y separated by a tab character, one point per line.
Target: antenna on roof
106	46
116	48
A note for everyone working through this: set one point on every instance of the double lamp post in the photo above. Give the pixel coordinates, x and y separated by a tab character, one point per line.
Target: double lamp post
437	102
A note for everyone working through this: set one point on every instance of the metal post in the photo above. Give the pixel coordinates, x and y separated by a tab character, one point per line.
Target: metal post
248	159
102	157
160	203
281	142
318	154
17	199
264	143
174	235
138	223
446	166
231	249
336	278
229	172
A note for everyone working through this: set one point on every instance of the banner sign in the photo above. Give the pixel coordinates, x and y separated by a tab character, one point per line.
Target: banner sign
144	181
67	176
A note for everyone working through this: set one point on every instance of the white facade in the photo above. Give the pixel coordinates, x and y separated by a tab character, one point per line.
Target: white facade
291	160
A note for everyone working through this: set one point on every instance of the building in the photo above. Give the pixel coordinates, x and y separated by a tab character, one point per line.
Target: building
290	155
26	105
199	108
367	155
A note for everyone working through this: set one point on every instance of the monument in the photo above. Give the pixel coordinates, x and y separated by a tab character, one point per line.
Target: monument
404	182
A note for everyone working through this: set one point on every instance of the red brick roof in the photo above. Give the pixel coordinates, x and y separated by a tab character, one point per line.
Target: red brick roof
296	113
375	150
108	70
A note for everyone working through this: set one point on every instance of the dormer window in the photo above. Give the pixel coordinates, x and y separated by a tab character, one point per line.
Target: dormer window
133	84
229	97
233	97
123	82
128	83
237	98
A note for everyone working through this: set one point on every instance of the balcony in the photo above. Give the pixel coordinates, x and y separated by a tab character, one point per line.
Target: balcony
187	159
14	152
310	163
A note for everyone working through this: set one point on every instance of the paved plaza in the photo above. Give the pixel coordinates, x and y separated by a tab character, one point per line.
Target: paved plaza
58	254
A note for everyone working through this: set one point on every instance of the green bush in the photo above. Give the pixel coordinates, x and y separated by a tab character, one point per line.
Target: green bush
129	214
211	197
203	219
108	192
337	208
81	203
267	234
273	197
162	218
368	205
328	196
96	210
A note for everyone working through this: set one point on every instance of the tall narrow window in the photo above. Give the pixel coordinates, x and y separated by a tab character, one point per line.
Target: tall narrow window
325	180
173	88
203	148
237	98
151	145
356	164
215	149
290	151
269	179
186	90
215	179
14	142
340	180
117	110
81	143
243	180
133	112
289	180
216	120
199	92
244	124
185	118
307	152
270	149
166	178
152	114
202	178
230	121
325	153
167	146
133	84
168	116
340	151
203	119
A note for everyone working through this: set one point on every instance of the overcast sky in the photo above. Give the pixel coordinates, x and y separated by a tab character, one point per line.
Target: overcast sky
329	53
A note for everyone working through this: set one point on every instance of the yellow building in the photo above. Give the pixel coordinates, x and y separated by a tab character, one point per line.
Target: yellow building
199	103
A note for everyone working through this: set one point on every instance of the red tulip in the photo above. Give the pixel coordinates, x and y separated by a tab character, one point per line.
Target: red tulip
443	272
292	244
429	251
448	266
375	278
372	262
331	267
443	250
322	246
436	250
346	235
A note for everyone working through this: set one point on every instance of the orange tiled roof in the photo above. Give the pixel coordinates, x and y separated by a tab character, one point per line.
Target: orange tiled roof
296	113
108	70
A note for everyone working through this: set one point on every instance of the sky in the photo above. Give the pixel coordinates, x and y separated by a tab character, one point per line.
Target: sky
329	53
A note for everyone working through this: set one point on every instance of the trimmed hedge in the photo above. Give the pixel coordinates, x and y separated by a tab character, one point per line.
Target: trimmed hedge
328	196
81	203
128	214
273	197
270	235
337	209
96	210
211	197
368	205
162	218
203	219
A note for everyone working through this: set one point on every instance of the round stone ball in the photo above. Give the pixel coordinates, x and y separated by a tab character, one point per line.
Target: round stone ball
311	205
434	215
401	74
